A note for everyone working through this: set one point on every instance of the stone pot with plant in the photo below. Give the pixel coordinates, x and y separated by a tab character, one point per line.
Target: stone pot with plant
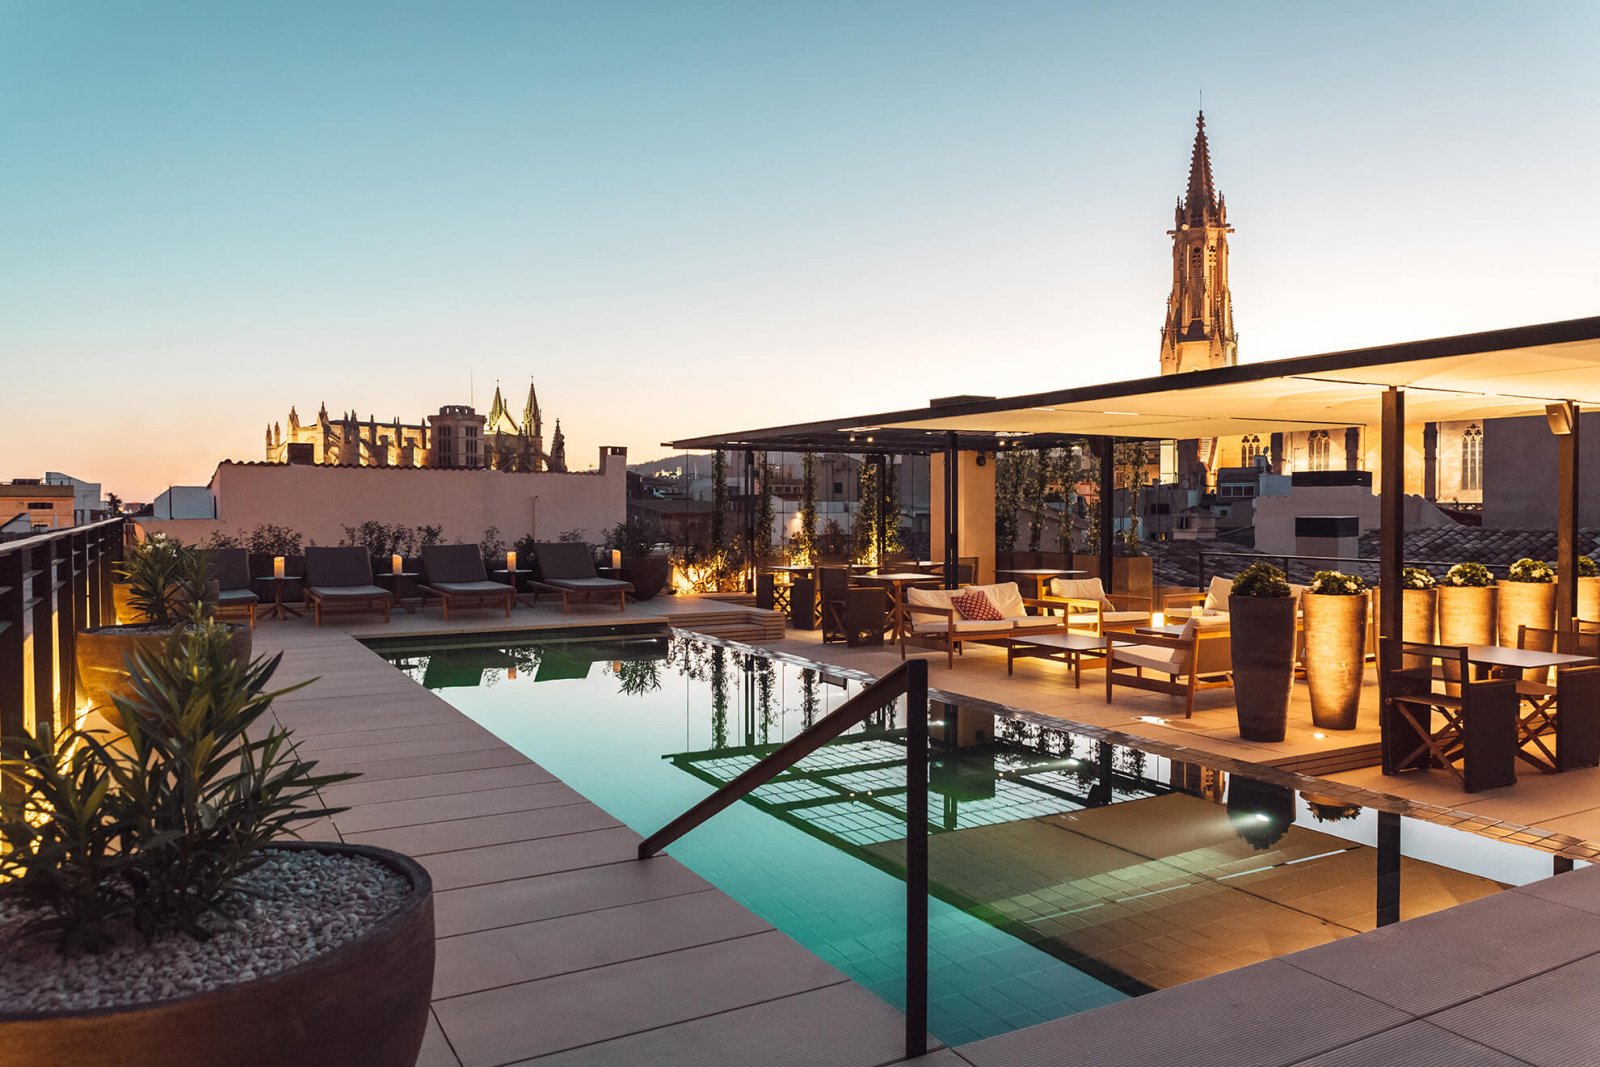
170	587
642	564
1527	598
1588	591
1419	598
1336	631
1261	614
150	913
1466	605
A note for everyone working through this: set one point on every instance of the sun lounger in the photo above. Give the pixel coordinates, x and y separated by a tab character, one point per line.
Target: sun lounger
456	575
566	568
341	578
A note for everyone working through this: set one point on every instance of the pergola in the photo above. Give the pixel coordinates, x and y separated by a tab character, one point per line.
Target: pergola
1549	369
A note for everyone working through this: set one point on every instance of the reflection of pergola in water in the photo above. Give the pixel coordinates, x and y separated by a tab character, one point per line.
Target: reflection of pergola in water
1065	843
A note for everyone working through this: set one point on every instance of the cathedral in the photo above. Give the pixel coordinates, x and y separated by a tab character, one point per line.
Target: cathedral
457	437
1198	334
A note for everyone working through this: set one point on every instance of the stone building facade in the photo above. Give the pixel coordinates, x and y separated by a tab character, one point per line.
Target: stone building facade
458	437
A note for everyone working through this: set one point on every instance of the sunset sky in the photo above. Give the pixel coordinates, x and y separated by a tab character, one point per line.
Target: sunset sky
684	217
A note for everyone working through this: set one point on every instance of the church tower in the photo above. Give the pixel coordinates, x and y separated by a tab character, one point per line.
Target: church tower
1198	334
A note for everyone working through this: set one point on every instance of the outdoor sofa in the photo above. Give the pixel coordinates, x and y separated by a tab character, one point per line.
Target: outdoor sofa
1201	657
937	622
1088	608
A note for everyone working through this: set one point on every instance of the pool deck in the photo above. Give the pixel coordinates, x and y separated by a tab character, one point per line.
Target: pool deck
556	946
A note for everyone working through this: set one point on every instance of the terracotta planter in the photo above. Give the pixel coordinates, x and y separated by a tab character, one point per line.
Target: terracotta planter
1336	631
1525	604
1263	639
363	1004
1466	615
647	573
1419	621
1589	600
102	657
122	610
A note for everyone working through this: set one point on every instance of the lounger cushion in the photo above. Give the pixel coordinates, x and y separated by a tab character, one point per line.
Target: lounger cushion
453	564
564	560
348	592
484	588
590	585
231	566
236	597
336	568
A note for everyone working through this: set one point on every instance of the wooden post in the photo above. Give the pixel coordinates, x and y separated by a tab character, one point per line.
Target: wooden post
1108	498
1567	523
1391	552
952	504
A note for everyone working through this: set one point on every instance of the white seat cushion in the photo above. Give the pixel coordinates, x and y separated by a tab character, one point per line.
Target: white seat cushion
1125	616
1005	597
1035	622
1079	589
926	625
1151	657
1217	594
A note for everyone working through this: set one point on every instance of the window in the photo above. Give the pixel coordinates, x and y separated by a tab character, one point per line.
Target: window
838	489
1252	449
1472	458
38	505
1318	448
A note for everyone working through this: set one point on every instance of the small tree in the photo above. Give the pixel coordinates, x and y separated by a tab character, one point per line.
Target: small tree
1008	480
764	511
806	538
890	519
864	533
1038	486
719	501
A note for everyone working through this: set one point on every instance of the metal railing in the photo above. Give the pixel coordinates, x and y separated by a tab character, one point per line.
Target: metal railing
909	679
1284	559
51	586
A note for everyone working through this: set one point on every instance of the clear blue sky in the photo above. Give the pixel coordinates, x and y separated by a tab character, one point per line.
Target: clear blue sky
688	217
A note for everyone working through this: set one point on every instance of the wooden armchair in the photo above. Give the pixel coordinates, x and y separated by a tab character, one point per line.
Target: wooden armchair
1200	658
1090	609
1566	708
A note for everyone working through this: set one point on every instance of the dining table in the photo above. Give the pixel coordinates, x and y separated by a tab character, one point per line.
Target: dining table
894	585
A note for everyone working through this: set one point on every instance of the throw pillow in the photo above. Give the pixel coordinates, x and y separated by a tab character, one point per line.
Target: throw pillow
976	606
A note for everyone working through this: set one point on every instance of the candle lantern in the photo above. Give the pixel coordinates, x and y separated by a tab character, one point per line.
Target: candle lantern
397	562
277	566
511	563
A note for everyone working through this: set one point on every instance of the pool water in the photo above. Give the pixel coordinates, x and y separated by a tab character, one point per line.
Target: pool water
1065	872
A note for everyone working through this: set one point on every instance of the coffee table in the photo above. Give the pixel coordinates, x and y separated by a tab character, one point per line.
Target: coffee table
1070	647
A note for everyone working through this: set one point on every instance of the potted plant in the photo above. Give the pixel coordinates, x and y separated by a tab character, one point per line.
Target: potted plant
1527	598
1466	605
169	587
644	566
150	914
1262	624
1419	609
1588	590
1336	632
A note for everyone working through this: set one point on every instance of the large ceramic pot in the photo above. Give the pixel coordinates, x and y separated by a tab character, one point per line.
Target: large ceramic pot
1526	604
363	1004
647	573
1466	614
1419	620
102	655
1589	600
1336	632
1263	639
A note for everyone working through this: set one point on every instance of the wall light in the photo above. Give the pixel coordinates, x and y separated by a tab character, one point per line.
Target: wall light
1560	417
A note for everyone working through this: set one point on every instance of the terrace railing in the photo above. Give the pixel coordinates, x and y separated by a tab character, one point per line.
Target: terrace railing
909	680
51	586
1221	562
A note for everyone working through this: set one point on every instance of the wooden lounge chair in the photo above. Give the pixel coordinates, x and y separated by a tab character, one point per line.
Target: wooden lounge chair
1199	658
850	613
566	568
456	575
342	578
231	568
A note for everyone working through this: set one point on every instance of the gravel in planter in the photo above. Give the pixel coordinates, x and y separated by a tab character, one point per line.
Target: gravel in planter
294	907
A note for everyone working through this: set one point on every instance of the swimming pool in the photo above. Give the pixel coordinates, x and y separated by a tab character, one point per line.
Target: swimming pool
1066	871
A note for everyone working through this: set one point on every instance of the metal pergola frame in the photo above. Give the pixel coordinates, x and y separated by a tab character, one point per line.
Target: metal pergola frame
1550	369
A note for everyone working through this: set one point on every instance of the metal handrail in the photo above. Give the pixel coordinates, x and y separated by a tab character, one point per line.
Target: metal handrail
1285	557
909	679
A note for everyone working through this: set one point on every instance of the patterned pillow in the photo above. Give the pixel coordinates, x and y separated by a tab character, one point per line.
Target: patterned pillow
976	606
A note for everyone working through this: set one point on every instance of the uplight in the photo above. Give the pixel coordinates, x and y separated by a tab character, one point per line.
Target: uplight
1153	720
1320	736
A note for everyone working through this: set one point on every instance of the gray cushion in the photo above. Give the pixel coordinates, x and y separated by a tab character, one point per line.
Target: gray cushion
485	588
336	568
233	597
591	585
348	592
453	563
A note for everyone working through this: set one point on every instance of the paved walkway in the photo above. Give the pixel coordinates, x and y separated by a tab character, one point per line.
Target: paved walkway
555	945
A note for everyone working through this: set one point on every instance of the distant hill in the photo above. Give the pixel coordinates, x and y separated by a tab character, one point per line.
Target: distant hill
699	466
